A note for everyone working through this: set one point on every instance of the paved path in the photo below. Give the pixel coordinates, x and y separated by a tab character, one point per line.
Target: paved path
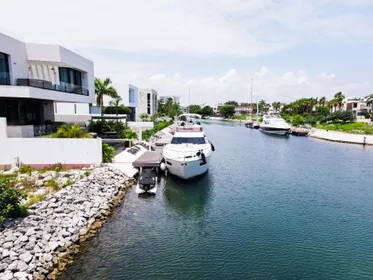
342	137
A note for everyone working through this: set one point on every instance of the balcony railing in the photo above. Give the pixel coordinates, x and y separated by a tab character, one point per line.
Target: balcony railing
48	85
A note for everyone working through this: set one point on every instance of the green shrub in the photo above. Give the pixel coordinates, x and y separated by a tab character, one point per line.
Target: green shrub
341	116
53	185
297	120
69	183
87	173
25	169
121	110
10	200
103	125
107	153
310	120
129	134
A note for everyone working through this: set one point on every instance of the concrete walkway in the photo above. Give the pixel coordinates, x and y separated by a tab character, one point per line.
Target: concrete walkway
342	137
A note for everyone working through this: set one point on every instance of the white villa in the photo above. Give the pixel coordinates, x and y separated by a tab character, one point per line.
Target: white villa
41	84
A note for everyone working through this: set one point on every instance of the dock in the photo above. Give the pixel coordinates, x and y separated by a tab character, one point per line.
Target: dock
298	131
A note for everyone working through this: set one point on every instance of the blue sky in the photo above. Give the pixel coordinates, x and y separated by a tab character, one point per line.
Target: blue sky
290	48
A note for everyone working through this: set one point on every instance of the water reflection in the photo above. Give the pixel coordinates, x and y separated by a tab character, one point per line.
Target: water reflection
188	198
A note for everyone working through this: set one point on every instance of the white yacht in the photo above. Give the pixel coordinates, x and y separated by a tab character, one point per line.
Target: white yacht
188	154
274	124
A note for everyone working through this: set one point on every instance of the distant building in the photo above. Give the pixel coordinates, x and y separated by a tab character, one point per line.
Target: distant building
356	106
147	102
176	99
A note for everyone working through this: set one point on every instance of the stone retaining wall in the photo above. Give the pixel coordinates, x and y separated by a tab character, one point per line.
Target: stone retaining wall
42	244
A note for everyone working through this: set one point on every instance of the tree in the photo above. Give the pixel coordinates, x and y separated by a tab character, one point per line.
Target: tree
194	109
227	110
263	106
117	110
276	105
161	107
103	88
175	110
339	97
322	111
322	101
68	131
207	111
231	102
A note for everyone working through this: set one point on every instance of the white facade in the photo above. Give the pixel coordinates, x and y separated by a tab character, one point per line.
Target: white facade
147	102
35	79
175	99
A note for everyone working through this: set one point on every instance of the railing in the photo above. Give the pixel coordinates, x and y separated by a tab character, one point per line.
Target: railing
188	129
48	85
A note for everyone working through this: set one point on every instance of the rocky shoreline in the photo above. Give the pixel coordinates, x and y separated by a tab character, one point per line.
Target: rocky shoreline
42	244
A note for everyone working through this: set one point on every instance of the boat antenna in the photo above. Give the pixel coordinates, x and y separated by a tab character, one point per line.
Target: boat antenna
189	102
251	94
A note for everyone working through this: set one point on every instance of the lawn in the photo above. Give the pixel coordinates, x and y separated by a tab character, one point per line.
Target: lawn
355	128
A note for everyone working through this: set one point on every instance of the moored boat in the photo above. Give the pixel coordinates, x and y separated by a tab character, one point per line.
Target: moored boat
188	154
274	124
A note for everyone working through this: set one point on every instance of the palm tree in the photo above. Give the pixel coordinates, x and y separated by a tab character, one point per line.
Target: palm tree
116	102
68	131
262	104
339	97
144	117
168	105
276	105
104	88
369	100
322	101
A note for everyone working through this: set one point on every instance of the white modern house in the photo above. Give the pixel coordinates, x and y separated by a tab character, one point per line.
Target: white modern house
41	84
148	103
356	106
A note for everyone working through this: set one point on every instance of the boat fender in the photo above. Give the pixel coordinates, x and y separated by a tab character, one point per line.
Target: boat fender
163	166
212	147
198	154
203	157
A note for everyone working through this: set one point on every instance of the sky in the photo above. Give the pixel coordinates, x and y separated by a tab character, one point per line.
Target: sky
289	49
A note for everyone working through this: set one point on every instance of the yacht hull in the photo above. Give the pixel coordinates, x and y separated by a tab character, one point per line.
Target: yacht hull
275	131
188	169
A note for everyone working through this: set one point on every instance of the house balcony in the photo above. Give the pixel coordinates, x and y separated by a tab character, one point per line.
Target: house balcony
48	85
46	90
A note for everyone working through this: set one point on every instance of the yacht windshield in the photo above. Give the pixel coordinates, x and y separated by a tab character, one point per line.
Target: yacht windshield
188	140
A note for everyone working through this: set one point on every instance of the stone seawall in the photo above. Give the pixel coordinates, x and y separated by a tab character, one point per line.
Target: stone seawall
42	244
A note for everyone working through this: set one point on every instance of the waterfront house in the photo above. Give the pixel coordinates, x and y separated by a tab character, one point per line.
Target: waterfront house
148	102
357	106
42	84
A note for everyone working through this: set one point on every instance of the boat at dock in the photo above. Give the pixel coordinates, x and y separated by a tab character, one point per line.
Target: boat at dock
188	154
274	124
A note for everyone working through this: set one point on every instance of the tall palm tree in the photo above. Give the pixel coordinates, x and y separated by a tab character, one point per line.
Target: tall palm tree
322	101
339	97
103	87
369	100
168	105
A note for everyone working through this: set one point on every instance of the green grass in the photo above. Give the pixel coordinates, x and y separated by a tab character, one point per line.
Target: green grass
25	169
53	185
240	117
355	128
35	198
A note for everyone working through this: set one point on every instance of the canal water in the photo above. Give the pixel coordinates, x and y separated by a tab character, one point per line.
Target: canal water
269	208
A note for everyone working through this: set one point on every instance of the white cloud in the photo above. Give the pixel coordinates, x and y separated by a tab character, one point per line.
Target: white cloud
199	27
235	85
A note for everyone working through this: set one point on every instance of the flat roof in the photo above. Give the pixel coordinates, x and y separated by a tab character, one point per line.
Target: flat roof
148	159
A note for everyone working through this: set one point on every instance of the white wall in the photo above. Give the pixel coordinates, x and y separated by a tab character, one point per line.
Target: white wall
3	128
50	151
20	131
18	66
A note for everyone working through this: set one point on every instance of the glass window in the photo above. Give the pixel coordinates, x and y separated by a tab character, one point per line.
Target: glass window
70	76
131	98
4	69
188	140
